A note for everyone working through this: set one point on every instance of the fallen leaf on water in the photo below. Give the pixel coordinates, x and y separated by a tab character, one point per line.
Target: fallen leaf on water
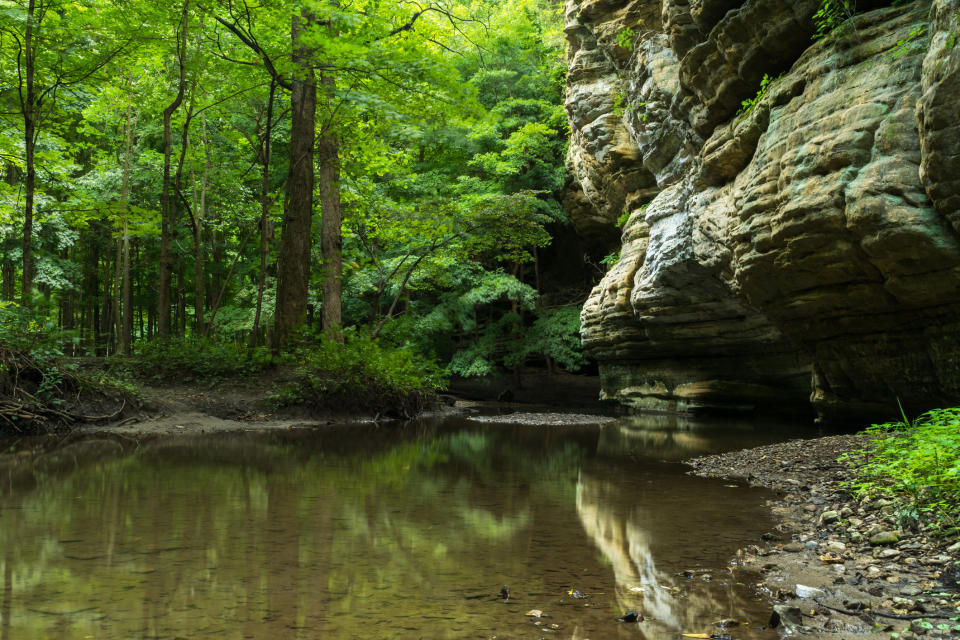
534	613
696	635
829	558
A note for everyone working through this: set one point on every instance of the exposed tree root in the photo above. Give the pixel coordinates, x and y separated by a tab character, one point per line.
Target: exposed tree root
42	397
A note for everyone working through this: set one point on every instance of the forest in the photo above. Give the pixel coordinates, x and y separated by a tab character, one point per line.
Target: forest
479	318
241	180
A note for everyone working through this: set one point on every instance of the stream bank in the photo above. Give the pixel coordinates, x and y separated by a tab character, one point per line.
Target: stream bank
845	568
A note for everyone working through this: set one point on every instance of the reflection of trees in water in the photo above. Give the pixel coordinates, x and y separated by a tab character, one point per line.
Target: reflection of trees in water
210	537
631	530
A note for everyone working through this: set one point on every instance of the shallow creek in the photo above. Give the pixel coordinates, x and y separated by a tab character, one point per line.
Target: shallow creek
365	531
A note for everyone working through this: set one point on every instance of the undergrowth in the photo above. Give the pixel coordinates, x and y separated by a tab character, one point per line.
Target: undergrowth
39	390
916	463
362	376
196	358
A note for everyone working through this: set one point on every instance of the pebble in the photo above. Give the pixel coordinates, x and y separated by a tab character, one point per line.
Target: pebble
828	517
836	547
785	615
884	537
803	591
886	554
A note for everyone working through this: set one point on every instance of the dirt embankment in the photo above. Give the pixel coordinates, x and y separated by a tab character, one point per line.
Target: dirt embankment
846	568
193	406
232	405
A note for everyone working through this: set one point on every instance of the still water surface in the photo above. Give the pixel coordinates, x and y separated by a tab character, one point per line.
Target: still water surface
379	532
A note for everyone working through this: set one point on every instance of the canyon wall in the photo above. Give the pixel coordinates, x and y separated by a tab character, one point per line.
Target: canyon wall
799	252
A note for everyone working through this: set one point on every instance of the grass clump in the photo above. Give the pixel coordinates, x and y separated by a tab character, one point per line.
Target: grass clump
362	376
918	465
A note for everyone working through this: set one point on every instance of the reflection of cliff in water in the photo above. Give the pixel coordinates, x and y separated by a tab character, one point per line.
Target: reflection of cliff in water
678	437
651	536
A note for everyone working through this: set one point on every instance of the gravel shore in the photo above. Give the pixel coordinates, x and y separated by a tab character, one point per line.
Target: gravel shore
838	567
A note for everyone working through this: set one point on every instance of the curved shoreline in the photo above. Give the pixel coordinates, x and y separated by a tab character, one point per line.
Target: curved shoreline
844	567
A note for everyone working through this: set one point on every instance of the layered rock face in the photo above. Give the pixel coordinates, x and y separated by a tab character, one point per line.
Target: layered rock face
802	253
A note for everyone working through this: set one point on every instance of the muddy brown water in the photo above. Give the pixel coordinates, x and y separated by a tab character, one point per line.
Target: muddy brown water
365	531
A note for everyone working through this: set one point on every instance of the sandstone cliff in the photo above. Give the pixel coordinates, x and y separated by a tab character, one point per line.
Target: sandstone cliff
804	252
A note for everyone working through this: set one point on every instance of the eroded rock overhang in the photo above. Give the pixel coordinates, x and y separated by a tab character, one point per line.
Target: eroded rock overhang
803	253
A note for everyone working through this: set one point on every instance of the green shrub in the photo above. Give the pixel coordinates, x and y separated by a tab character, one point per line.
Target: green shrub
916	463
362	375
208	358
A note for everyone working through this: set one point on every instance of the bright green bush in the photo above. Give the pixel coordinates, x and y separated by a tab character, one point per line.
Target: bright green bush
916	463
362	376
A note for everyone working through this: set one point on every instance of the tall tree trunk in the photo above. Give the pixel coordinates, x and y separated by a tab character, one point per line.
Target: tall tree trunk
126	293
266	231
91	286
8	270
331	242
67	299
199	214
293	272
115	291
125	323
9	286
30	112
168	199
106	305
181	300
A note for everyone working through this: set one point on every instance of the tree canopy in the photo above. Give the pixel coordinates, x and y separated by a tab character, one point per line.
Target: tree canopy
253	170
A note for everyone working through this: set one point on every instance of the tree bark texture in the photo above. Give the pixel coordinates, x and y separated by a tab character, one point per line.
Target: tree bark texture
266	231
126	291
293	272
331	240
